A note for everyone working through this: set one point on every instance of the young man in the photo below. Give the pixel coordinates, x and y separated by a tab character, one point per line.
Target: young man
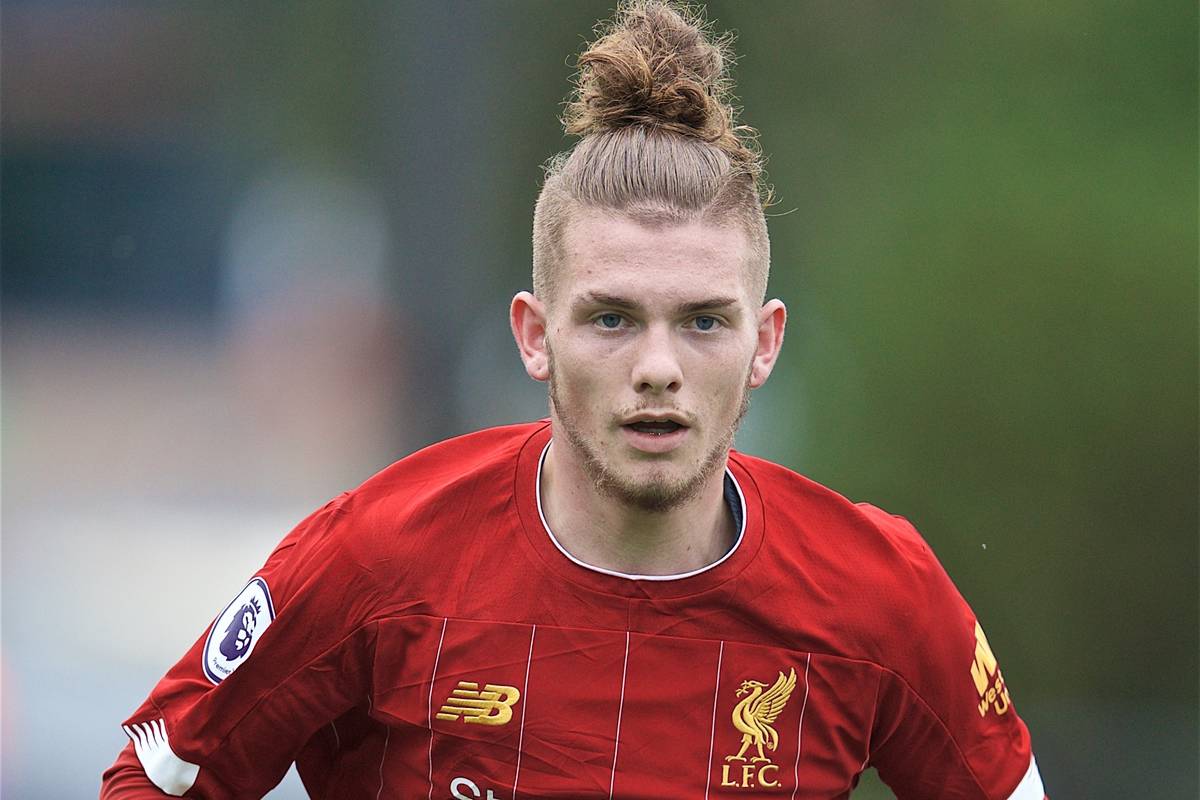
610	603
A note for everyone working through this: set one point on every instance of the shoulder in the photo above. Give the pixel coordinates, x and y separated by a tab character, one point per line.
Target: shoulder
824	523
442	480
470	460
388	526
876	581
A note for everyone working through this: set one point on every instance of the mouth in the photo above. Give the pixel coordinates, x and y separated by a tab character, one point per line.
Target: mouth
655	433
655	427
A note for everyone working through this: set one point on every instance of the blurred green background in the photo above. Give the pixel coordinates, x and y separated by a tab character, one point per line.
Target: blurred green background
251	253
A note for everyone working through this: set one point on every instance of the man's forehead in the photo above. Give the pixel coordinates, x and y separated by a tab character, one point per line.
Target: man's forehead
690	300
613	235
605	252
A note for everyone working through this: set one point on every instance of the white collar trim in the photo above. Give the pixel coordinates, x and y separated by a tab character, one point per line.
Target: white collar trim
627	576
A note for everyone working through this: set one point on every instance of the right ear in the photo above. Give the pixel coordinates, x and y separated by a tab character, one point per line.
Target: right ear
527	315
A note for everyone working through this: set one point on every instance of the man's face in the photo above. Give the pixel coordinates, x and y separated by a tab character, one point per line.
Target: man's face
650	337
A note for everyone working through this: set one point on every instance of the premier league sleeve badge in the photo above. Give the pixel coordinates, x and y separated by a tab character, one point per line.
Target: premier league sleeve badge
237	629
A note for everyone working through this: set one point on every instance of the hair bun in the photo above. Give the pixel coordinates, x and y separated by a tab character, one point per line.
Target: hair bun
653	66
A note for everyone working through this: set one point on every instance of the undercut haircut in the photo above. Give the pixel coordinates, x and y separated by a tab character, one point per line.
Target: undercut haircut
660	142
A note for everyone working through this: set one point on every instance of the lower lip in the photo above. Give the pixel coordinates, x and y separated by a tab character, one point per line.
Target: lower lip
654	442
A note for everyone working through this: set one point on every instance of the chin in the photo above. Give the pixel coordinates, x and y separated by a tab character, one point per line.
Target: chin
654	489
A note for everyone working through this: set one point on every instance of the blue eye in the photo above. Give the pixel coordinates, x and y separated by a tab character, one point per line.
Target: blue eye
705	323
609	321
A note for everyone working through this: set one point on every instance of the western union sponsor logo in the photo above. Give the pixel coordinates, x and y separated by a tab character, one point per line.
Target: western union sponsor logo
989	682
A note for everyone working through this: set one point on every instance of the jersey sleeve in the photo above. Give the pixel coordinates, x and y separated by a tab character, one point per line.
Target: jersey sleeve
289	653
945	723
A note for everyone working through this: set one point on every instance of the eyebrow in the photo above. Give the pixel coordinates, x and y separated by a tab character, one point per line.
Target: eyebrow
616	301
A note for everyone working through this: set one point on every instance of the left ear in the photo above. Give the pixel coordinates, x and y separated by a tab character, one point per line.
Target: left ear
771	320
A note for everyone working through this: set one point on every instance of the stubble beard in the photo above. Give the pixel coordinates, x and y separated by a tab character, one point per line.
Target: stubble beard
657	494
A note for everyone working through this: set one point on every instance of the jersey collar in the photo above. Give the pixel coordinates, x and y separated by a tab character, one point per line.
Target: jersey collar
548	550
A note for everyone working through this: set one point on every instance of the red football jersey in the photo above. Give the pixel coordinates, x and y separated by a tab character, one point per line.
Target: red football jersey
424	636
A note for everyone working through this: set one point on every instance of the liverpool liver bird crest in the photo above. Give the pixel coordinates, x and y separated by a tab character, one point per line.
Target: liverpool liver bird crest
753	715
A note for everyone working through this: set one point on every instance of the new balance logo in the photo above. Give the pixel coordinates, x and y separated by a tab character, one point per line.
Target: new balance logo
491	705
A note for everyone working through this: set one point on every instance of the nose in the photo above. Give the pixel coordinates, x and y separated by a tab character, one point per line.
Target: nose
656	369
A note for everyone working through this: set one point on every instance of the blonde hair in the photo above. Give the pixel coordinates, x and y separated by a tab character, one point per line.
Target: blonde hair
659	140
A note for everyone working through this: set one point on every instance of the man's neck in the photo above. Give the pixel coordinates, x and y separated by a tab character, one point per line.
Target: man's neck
602	532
